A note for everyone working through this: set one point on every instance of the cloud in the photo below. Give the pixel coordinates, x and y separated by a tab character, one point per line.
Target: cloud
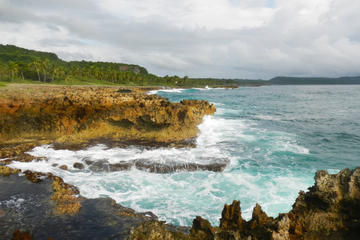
202	38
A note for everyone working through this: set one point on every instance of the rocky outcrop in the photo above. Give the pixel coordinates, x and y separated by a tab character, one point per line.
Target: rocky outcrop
73	115
26	212
329	210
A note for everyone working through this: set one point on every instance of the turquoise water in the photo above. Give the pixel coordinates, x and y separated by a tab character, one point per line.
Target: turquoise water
275	138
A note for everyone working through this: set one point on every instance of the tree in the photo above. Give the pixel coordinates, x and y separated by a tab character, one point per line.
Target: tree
2	70
37	65
13	69
44	68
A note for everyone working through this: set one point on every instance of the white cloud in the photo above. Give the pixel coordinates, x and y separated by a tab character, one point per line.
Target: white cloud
218	38
208	14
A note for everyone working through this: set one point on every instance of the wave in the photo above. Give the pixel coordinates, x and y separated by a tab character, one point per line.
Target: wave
252	174
172	90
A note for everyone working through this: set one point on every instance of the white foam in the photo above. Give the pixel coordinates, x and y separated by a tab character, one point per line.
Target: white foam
268	117
179	197
171	90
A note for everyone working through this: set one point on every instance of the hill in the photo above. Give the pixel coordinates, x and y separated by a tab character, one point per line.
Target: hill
24	65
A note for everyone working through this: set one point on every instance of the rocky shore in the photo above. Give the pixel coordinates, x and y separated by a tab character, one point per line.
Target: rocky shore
35	205
28	210
329	210
75	117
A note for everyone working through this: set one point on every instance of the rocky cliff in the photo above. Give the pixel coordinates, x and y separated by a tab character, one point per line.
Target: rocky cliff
329	210
74	115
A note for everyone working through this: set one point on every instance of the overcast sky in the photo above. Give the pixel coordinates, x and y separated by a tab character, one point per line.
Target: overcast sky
198	38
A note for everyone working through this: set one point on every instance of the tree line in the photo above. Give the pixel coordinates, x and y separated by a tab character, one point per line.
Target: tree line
23	64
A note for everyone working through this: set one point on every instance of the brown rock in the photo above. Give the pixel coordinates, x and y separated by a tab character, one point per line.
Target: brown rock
231	217
201	229
78	165
63	167
79	114
154	230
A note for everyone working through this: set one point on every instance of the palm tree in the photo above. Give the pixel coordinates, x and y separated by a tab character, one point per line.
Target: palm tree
37	65
13	68
44	67
2	70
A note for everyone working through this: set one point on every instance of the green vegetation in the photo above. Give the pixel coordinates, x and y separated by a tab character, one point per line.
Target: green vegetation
28	66
19	65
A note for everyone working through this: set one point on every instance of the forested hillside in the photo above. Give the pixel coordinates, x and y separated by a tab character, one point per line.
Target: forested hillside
21	65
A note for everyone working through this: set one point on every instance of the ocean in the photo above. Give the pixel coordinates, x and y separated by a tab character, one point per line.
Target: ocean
273	139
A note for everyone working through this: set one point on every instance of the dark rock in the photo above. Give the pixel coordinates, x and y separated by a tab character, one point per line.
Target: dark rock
150	166
54	164
124	91
78	165
122	166
100	166
97	219
88	161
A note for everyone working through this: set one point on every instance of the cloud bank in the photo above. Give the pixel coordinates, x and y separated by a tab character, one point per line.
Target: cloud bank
200	38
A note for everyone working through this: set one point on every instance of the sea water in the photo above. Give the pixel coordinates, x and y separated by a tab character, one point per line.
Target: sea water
273	138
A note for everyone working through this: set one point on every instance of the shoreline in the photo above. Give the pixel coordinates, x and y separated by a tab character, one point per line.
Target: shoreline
295	223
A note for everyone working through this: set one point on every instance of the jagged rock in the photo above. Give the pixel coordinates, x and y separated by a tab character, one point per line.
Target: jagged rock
231	217
201	229
330	209
78	165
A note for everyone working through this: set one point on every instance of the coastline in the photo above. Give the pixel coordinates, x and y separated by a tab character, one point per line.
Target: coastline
201	228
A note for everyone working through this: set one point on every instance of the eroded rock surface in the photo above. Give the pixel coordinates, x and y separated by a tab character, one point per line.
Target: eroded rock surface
79	114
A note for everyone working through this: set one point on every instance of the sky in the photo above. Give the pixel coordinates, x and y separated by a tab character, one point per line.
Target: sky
198	38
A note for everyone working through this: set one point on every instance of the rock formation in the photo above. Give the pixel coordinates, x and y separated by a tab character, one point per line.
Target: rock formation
35	114
329	210
84	113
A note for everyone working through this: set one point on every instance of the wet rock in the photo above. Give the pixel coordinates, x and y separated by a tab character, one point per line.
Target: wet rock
78	165
122	166
97	219
88	161
154	167
54	165
63	167
100	166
